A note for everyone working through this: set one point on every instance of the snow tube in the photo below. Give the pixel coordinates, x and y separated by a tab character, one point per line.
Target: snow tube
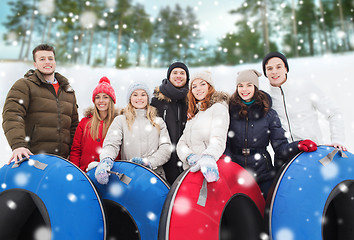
133	201
47	197
233	208
314	201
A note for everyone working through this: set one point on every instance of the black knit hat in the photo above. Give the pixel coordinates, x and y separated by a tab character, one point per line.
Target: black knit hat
177	65
271	55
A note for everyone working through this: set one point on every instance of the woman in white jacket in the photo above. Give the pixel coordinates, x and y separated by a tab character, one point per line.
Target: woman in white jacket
204	138
138	134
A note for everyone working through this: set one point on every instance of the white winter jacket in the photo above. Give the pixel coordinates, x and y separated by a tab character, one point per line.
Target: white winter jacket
206	133
143	140
300	105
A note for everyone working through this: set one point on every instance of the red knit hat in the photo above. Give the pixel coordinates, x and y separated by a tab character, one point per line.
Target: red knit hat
104	86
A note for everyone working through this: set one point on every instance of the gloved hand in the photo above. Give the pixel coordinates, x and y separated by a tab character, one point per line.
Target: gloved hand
101	173
193	159
307	146
207	165
142	161
92	165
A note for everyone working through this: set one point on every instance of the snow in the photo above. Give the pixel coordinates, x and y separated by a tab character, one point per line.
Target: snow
332	73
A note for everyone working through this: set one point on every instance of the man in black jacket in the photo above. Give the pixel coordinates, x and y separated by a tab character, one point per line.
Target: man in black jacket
170	101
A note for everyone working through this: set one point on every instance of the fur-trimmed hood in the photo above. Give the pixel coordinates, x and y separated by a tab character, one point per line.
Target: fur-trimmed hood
219	97
89	112
159	95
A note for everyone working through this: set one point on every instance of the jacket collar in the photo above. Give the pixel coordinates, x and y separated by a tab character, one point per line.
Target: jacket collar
159	95
36	77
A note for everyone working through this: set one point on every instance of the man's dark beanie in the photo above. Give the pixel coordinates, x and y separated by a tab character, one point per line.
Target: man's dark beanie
177	65
271	55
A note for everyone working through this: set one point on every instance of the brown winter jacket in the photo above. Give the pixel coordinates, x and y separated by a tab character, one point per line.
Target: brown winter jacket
37	118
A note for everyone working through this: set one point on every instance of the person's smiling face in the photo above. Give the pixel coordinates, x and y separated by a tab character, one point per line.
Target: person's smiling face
276	71
102	102
200	89
245	91
178	77
45	62
139	99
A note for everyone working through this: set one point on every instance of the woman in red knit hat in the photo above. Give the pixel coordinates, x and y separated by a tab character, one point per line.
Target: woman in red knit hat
92	129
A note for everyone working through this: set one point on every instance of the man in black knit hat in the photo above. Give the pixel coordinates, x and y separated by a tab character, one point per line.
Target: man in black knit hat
169	99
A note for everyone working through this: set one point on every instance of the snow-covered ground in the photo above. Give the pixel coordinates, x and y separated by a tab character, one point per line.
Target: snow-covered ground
332	73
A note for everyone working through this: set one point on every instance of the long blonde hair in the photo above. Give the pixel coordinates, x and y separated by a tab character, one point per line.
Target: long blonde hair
95	120
130	114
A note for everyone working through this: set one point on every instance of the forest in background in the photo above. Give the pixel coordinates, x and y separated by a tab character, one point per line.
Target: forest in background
122	34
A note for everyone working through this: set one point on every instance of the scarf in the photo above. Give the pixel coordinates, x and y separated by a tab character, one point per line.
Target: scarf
172	92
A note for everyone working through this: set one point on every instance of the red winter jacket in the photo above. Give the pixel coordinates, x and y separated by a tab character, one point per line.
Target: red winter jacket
84	149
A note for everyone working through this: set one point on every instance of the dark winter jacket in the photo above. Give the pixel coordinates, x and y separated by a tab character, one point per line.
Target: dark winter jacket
252	135
174	113
85	149
37	118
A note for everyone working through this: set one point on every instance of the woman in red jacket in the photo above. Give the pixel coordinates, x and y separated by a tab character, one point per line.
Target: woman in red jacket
92	129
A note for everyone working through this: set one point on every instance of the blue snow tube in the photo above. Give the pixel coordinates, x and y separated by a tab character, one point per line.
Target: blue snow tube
49	197
133	201
312	200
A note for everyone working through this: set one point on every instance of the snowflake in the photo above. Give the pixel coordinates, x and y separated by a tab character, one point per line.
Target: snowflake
11	204
284	234
46	7
115	189
22	179
111	3
151	216
43	233
72	197
231	134
69	177
182	206
330	171
153	180
88	19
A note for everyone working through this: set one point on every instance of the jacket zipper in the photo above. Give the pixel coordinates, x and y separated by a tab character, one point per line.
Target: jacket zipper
246	141
286	113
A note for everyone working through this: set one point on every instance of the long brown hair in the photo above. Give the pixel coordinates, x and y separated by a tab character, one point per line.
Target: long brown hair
95	120
260	99
192	102
130	114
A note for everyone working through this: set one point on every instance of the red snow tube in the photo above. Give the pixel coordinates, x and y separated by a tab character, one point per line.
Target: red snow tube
233	208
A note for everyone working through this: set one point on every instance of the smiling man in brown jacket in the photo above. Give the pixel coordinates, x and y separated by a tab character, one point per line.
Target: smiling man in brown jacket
40	110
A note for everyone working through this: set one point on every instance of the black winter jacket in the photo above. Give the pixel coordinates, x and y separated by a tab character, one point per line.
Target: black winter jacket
174	113
253	134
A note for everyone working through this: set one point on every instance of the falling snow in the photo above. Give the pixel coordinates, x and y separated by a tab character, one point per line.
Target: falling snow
284	234
320	68
22	179
115	189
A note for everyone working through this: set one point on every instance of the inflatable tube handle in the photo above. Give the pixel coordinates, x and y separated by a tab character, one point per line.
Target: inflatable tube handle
203	194
327	159
124	178
37	164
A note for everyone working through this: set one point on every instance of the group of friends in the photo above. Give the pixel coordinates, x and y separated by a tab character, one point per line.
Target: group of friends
185	123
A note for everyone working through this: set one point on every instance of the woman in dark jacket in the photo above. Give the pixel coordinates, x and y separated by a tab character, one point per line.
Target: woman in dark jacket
253	124
170	101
